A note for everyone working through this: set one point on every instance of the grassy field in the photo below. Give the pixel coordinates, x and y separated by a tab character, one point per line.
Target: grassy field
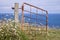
53	34
11	31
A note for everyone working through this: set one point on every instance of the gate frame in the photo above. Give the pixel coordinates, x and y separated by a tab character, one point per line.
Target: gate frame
36	8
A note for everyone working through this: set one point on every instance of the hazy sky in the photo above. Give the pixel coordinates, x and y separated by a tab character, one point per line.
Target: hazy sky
53	6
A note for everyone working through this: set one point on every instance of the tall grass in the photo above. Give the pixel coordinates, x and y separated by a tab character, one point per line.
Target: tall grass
10	31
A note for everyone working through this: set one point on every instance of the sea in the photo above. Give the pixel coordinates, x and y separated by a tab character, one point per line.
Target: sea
53	19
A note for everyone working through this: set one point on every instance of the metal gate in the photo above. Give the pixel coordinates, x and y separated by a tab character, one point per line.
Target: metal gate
34	19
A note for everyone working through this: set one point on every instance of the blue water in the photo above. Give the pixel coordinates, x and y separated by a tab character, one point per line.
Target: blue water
53	19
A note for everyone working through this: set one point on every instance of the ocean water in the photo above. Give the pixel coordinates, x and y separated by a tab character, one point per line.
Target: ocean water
53	19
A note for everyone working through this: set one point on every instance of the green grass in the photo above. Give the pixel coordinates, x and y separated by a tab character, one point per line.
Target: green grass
9	31
53	34
13	32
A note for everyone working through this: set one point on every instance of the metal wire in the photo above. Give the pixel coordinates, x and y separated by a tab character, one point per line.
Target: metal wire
36	19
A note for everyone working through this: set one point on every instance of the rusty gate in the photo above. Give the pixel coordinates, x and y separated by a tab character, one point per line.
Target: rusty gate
29	15
33	18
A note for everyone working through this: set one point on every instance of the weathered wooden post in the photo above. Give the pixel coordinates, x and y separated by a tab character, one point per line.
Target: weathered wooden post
16	11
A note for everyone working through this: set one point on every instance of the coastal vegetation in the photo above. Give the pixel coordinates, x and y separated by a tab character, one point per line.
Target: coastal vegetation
12	31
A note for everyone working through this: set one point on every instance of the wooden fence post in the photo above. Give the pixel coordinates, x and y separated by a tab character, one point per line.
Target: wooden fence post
16	12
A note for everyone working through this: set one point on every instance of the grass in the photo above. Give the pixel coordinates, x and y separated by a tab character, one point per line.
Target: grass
11	31
53	34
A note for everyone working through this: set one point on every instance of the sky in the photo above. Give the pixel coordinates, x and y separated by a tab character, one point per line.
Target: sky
53	6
